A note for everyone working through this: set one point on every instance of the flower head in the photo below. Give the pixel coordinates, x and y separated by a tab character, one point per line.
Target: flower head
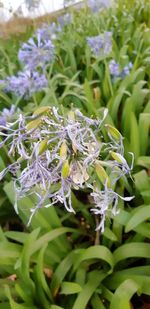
64	19
25	83
98	5
48	31
101	45
57	154
114	68
36	52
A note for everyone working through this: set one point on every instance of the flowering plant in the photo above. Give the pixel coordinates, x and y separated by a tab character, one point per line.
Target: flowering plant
57	153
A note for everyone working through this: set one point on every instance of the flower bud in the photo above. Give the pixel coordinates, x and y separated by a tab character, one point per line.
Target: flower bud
113	132
41	110
42	146
63	150
102	175
33	124
65	170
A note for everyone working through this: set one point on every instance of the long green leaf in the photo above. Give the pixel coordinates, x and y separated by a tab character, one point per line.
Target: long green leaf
89	288
137	250
96	252
123	295
139	215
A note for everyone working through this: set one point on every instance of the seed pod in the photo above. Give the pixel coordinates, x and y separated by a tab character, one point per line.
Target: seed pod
97	93
102	175
63	150
41	110
71	116
118	157
113	132
65	170
33	124
42	146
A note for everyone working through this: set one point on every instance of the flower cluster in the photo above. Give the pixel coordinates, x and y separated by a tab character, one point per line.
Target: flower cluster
57	153
48	31
98	5
115	69
25	83
64	19
36	53
7	115
101	45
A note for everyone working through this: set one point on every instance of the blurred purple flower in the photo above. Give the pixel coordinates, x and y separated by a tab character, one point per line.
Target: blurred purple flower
101	45
114	68
126	70
98	5
25	83
48	31
64	19
6	115
36	52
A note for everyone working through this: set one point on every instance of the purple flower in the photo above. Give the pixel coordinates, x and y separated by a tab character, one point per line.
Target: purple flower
36	52
48	31
58	154
101	45
98	5
126	70
114	68
25	83
64	20
6	116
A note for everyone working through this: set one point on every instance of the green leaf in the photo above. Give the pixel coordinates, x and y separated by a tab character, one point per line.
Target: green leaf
134	136
144	161
61	272
109	234
48	237
14	305
68	288
142	181
137	250
144	128
89	96
96	252
96	302
138	215
123	294
140	274
88	289
5	306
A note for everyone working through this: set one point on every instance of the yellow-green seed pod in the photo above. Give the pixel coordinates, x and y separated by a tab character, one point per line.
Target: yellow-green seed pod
41	110
63	150
33	124
102	175
71	116
42	146
113	132
97	93
118	157
65	170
